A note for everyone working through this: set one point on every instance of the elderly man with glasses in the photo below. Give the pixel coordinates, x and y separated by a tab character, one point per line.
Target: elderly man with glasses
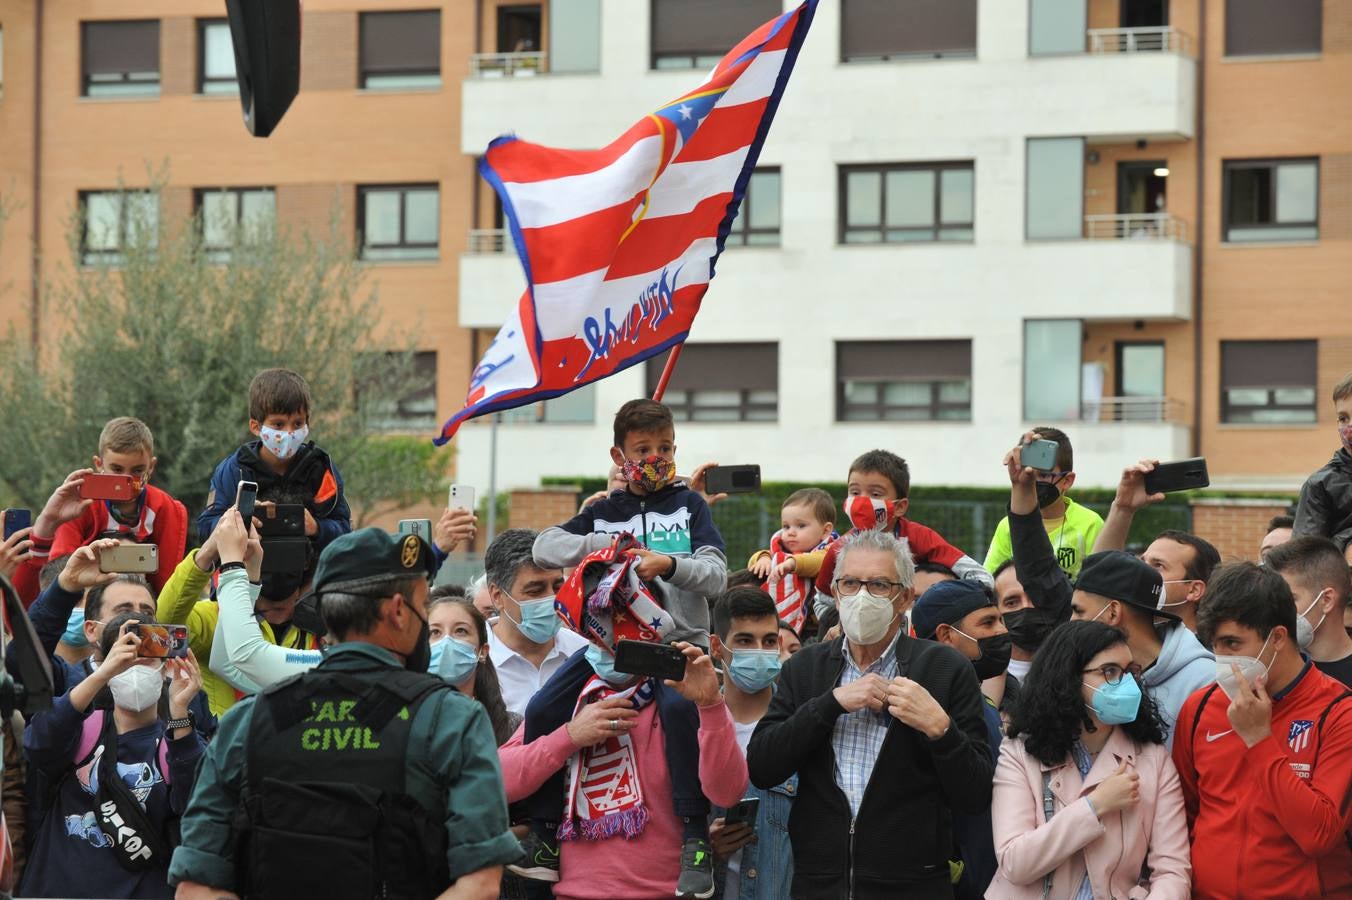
887	737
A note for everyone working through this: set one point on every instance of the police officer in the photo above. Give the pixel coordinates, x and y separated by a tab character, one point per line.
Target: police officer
364	777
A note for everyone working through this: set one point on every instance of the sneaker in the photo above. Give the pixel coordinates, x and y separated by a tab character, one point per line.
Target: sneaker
697	870
540	860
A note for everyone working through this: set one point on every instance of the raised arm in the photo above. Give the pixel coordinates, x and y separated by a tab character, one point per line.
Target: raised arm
1131	497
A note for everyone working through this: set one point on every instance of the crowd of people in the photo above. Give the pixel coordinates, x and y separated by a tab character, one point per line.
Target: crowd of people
612	711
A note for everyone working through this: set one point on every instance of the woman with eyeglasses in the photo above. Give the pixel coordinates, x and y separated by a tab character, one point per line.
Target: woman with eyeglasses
1087	802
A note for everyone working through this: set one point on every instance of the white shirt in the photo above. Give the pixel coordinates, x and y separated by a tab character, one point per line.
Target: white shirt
518	676
1019	668
731	886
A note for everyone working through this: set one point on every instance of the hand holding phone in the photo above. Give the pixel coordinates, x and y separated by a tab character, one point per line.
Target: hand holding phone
246	497
461	496
732	479
1040	455
653	660
141	559
102	486
1183	475
744	812
17	520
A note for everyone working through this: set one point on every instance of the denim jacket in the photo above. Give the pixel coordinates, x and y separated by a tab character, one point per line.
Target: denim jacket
766	872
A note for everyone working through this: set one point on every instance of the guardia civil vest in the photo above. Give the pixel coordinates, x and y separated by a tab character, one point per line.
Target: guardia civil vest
325	810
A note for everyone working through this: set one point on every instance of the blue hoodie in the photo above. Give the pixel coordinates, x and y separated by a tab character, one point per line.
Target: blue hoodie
1183	666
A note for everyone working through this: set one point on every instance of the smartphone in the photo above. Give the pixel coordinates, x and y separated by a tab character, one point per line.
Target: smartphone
421	527
285	555
17	520
461	497
744	812
246	496
99	486
160	641
1183	475
1040	455
143	559
732	479
280	520
655	660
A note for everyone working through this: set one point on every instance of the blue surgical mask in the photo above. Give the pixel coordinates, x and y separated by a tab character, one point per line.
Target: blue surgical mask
754	670
1117	704
453	660
74	634
539	622
603	664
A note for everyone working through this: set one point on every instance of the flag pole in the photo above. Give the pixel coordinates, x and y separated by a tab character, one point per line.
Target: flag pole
666	372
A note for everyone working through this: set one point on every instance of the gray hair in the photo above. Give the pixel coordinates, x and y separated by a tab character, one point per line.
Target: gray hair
357	613
506	556
881	542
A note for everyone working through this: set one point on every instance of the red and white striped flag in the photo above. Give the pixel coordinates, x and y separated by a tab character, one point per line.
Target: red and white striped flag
618	245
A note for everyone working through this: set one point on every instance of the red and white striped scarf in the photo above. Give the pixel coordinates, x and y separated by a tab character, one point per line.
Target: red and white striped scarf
605	792
791	592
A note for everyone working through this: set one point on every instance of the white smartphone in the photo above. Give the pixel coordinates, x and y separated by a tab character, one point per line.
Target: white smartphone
461	497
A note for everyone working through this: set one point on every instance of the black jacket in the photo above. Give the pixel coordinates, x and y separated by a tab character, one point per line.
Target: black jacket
1326	501
900	842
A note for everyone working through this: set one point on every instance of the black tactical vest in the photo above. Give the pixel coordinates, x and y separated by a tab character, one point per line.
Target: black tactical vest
325	810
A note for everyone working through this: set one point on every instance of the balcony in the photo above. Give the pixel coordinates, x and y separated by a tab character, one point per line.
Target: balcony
1134	226
506	65
1140	40
491	279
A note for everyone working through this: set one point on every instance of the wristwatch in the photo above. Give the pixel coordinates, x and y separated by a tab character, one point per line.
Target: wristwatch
226	567
188	721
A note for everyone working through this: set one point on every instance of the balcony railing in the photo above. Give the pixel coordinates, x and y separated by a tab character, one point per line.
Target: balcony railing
1136	226
1140	40
506	65
490	240
1132	409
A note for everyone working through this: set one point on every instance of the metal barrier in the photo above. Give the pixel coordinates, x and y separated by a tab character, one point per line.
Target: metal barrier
506	65
1136	226
1157	39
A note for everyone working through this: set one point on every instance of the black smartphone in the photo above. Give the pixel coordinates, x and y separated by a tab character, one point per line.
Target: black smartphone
732	480
285	555
280	520
1040	455
160	641
17	520
246	495
1183	475
654	660
744	812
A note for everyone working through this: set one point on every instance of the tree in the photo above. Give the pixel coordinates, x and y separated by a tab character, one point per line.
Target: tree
172	332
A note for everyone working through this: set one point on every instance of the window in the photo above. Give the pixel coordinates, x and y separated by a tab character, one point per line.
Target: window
575	36
229	212
1056	27
872	30
1268	382
415	406
757	222
1051	370
113	220
215	58
1054	205
910	202
696	34
904	381
120	59
398	222
721	383
401	49
1265	28
1272	200
577	407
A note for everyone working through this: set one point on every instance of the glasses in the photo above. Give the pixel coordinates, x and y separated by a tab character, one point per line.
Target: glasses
876	587
1112	673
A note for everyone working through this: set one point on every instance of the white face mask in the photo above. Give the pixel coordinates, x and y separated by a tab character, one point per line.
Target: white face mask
1175	581
137	688
283	444
865	618
1304	630
1250	666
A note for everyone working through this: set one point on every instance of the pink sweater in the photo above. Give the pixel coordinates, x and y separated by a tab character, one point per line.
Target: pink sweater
645	868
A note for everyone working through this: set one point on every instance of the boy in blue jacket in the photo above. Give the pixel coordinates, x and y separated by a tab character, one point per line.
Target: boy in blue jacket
281	460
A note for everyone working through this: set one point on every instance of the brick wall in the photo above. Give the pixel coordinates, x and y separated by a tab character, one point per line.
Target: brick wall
178	55
539	508
328	51
1235	526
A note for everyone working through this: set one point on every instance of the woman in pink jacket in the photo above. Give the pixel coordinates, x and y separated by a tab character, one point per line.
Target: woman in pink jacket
1085	791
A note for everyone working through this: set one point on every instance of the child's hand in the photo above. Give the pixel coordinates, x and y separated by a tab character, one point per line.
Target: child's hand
763	566
652	566
787	567
62	506
311	526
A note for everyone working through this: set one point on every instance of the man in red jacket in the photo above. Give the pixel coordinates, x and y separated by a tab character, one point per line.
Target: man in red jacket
1264	755
126	447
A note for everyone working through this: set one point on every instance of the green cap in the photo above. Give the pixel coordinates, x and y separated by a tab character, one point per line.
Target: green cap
370	554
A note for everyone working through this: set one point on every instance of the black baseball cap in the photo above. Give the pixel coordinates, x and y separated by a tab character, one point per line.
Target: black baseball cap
1118	575
947	603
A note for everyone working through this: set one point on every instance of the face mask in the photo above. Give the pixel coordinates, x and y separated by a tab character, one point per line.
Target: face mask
652	473
866	513
603	664
138	688
994	658
283	444
74	634
1047	494
1345	434
1117	704
452	660
1028	627
865	618
1175	581
1250	666
420	657
1304	630
539	623
754	670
